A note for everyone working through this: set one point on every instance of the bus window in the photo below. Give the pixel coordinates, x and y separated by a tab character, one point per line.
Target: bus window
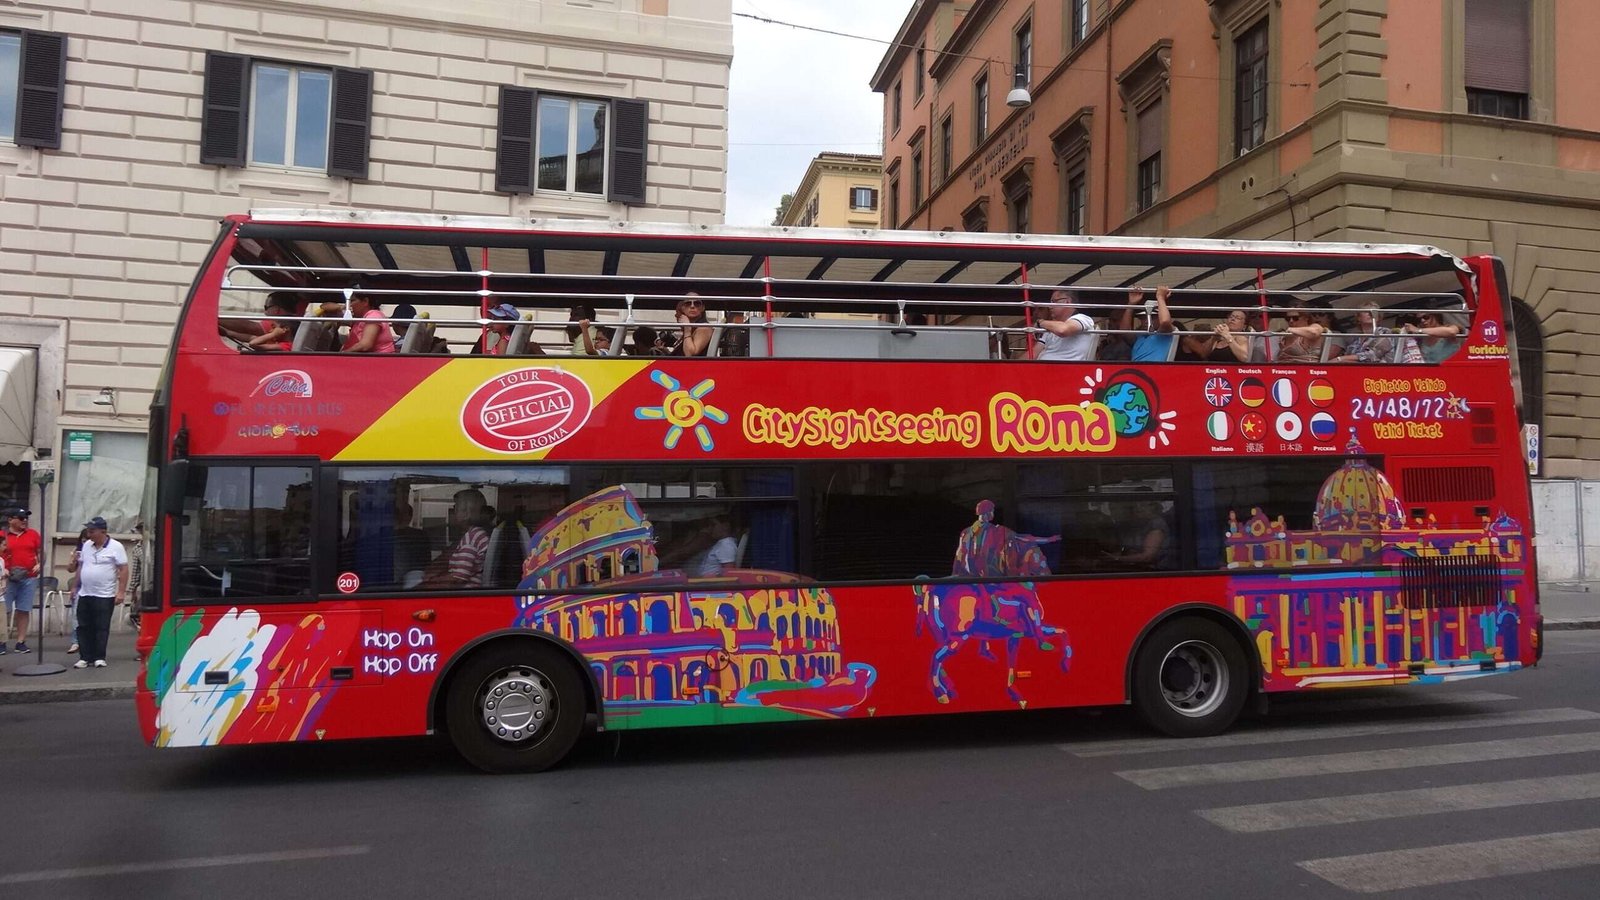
1277	488
246	533
1102	527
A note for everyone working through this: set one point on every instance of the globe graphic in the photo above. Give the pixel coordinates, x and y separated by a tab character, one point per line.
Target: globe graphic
1130	407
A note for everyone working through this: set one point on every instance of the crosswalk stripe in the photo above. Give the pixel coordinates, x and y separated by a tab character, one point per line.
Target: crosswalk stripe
1291	734
1400	698
1395	870
1258	817
1360	761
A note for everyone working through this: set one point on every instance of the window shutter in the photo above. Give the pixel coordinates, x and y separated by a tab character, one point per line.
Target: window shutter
1497	45
1149	131
513	163
350	136
630	122
225	111
40	87
872	202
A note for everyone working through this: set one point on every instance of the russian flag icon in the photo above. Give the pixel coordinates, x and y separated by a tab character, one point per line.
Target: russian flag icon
1283	392
1218	426
1323	427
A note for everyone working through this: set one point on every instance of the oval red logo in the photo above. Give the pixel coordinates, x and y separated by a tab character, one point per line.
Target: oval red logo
348	583
528	409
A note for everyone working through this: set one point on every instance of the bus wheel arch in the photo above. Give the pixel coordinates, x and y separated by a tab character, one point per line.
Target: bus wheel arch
1192	671
541	685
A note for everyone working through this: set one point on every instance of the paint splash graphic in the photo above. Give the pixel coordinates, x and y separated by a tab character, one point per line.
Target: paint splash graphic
684	410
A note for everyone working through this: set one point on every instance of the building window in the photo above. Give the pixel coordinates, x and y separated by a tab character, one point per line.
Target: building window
1018	189
980	110
289	116
893	209
1497	58
572	145
916	176
976	218
922	70
32	84
1250	89
1149	158
1022	50
947	136
299	117
864	198
1080	21
1077	216
898	90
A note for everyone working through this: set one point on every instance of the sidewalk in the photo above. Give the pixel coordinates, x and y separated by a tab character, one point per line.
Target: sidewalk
114	681
1565	607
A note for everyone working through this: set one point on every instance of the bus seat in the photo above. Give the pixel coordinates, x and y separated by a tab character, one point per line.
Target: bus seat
1172	346
738	550
1333	344
716	342
521	333
311	337
419	337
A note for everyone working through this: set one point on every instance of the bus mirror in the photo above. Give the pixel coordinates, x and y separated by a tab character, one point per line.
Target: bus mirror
174	485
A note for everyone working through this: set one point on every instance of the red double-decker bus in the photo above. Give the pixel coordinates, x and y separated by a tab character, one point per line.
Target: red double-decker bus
855	492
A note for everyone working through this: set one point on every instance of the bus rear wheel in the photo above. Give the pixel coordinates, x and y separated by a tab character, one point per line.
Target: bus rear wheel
1189	679
515	708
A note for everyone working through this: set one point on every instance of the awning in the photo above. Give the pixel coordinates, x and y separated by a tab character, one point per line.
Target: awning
19	374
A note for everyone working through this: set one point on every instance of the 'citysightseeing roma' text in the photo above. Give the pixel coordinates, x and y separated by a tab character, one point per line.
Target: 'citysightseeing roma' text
1015	424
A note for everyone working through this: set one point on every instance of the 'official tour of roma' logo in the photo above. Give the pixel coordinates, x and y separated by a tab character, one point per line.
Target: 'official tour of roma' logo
528	409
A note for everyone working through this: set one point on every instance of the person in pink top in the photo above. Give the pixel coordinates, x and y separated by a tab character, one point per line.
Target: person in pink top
368	337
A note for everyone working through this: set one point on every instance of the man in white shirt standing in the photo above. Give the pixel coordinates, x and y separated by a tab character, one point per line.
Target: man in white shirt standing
102	567
1068	334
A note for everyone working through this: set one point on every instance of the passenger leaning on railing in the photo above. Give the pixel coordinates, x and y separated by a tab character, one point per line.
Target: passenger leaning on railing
1068	334
1229	341
275	334
1155	345
1439	335
1371	342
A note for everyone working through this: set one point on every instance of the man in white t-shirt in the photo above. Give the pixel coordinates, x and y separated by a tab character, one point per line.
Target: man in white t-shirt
1068	334
722	552
102	568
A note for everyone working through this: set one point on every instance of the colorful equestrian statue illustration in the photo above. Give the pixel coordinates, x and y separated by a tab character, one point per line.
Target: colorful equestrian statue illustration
991	610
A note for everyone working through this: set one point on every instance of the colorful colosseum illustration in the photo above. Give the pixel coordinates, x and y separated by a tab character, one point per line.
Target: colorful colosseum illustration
1426	603
665	648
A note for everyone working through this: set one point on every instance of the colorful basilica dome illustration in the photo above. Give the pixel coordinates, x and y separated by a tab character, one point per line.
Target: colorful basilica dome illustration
1357	497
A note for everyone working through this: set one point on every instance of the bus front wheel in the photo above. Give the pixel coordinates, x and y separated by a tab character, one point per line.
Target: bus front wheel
1189	678
515	708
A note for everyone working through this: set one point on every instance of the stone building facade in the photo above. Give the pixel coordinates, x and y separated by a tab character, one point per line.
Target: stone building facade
140	124
1472	125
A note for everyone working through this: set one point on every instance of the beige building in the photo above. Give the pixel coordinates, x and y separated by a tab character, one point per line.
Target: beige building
1473	125
839	190
129	127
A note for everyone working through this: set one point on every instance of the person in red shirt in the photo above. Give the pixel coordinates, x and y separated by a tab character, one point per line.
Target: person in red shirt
23	549
368	337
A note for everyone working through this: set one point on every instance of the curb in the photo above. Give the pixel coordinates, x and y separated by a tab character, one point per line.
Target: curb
70	692
1570	624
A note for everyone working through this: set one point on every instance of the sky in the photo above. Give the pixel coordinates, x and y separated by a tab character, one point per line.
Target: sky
794	94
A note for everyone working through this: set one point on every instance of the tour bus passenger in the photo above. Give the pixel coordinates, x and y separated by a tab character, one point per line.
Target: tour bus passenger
1155	345
1410	350
1068	334
721	551
275	335
582	331
365	336
694	329
1302	337
1228	342
462	566
646	341
1370	342
1439	335
735	338
497	336
1147	537
1322	313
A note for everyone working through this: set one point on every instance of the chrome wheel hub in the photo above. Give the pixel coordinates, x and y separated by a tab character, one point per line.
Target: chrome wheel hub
516	705
1194	678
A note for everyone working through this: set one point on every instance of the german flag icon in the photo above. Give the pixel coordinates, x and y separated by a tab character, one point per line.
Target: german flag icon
1252	392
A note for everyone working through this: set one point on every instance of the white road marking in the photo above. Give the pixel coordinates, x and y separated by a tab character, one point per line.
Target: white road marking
199	862
1396	870
1360	761
1295	733
1258	817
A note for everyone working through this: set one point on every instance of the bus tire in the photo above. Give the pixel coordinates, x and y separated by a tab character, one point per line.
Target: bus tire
1189	679
515	707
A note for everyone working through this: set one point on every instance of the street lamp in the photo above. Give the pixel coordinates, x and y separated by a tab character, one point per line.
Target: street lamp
1019	96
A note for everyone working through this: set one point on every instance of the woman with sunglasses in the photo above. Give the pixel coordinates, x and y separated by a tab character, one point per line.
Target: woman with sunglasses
1303	337
694	331
1438	335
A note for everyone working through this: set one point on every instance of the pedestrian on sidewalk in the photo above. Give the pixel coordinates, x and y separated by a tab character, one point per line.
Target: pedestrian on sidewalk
102	584
72	585
24	547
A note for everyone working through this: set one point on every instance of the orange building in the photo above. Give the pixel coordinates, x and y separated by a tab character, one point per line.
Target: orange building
1473	125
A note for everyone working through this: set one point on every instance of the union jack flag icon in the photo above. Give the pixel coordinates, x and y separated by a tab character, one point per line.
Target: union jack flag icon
1219	392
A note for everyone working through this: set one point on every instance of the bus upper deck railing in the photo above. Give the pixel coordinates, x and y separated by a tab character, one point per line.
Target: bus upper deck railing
939	321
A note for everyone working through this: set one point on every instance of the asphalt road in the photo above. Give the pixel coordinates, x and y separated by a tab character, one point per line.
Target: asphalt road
1485	789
